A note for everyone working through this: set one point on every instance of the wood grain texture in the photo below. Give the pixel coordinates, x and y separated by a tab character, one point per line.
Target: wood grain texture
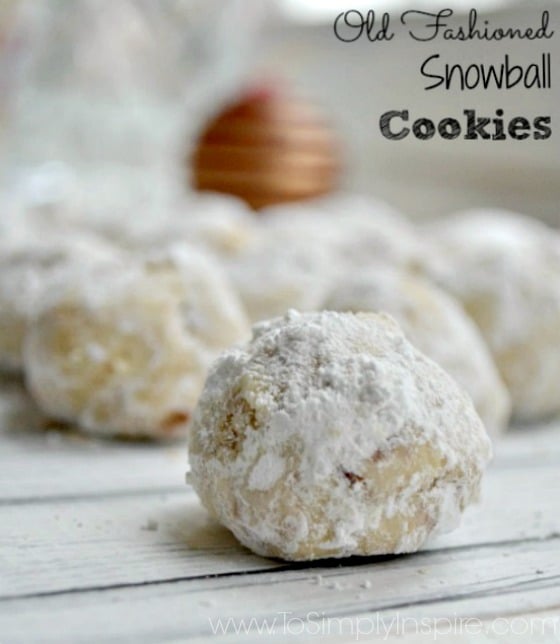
103	542
169	537
38	464
159	612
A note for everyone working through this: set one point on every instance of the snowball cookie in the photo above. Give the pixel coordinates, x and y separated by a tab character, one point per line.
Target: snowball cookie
357	230
505	270
222	225
125	351
303	247
27	266
272	277
219	224
437	325
330	435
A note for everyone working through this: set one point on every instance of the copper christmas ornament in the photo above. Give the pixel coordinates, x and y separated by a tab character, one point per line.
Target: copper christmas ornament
267	148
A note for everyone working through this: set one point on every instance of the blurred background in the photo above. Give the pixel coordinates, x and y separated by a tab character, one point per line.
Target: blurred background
101	102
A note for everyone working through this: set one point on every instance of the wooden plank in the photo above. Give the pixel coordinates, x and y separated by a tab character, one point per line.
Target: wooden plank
89	522
38	469
536	445
103	542
531	616
154	613
75	545
508	617
39	464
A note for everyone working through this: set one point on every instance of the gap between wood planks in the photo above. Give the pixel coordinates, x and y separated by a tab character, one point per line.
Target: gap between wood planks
462	576
89	534
308	566
85	497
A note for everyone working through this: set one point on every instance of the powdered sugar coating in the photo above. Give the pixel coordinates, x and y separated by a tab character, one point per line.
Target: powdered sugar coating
221	225
505	270
272	277
356	230
125	350
28	265
301	248
330	435
437	325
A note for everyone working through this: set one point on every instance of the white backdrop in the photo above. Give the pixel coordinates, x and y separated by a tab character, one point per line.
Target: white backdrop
357	82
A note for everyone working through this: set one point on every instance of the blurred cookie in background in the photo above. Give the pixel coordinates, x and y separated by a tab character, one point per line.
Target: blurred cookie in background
505	270
28	265
437	325
123	351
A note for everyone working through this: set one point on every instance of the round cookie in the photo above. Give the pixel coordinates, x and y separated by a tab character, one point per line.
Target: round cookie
303	247
27	266
330	435
357	231
505	270
437	325
272	276
125	351
220	224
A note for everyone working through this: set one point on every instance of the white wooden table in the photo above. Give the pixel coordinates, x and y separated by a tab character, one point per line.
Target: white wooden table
103	542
